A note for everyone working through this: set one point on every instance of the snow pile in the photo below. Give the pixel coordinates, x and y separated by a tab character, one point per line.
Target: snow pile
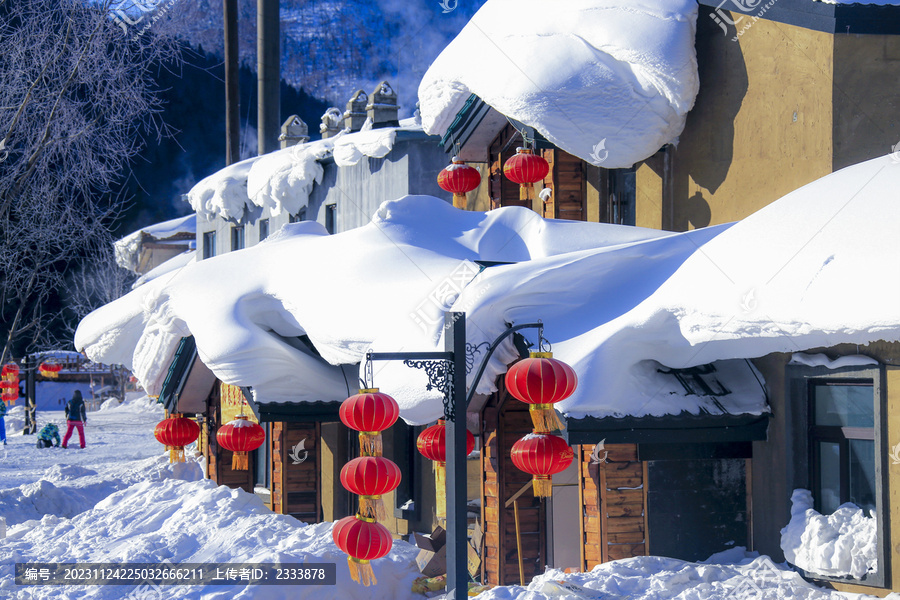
736	575
820	360
618	303
283	180
15	419
127	248
67	490
197	521
840	544
592	76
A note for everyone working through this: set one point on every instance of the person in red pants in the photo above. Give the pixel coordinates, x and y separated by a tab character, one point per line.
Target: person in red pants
76	417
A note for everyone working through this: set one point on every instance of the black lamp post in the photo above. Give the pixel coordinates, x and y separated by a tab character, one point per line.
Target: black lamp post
447	371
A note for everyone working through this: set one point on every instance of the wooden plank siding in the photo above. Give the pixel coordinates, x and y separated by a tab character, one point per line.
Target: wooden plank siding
218	458
504	422
296	489
568	181
614	505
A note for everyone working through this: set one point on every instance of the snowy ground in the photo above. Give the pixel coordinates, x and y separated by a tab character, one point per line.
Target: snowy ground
120	501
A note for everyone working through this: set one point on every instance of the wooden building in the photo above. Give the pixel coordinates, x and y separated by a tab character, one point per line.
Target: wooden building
797	95
807	89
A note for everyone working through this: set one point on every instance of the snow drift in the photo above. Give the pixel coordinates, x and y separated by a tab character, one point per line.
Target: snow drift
197	522
592	76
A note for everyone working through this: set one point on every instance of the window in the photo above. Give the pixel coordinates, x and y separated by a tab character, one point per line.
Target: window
839	428
263	229
209	244
408	495
330	213
300	216
261	458
620	197
842	444
237	237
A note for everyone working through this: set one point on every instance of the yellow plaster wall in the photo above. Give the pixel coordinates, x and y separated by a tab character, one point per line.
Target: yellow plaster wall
760	128
866	97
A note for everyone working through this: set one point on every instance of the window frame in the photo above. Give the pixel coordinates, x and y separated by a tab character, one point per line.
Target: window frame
238	241
835	434
331	218
209	244
800	379
263	229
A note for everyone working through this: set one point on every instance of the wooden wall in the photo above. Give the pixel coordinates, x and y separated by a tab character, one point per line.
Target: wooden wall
503	424
614	498
218	460
504	192
567	179
296	488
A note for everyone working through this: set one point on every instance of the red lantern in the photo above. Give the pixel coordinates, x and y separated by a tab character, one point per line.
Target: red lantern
10	369
9	397
176	432
542	455
370	477
541	381
241	436
364	540
525	168
50	370
369	412
432	445
8	384
459	178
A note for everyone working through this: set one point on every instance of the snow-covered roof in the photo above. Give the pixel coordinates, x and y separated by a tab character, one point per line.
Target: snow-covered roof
173	264
619	303
283	180
592	76
128	247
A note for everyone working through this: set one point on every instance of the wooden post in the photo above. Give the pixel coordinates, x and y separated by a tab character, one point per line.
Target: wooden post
519	542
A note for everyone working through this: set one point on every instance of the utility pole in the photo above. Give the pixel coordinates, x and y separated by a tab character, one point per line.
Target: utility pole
232	99
268	52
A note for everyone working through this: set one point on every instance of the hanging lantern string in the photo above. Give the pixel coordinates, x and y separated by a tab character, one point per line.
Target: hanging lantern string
369	382
522	132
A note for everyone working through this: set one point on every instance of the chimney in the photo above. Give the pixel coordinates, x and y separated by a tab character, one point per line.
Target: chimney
355	115
331	123
382	109
294	131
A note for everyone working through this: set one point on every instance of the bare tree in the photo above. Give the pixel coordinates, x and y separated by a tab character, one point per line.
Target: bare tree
76	101
95	282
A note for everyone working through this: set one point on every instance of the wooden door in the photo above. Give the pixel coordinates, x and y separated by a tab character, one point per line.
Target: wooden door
614	495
